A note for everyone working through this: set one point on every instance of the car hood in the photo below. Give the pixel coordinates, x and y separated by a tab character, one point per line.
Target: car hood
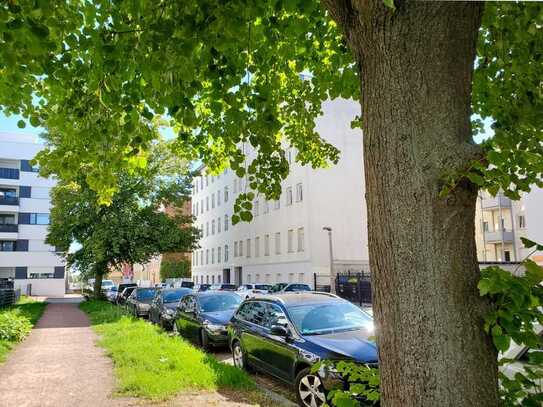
350	344
218	317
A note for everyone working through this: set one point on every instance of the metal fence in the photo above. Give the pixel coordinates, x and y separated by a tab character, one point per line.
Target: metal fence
355	287
9	296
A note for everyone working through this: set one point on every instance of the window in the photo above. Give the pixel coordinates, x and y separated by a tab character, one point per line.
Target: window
225	223
213	227
202	258
289	156
290	277
195	187
207	256
266	245
266	206
219	255
226	253
301	278
235	185
268	278
248	247
241	248
212	279
212	179
278	243
299	193
278	278
485	226
41	275
202	206
207	279
277	204
290	241
39	218
207	181
7	219
257	278
248	278
219	279
256	207
219	197
521	221
300	239
207	203
7	246
219	225
213	256
289	196
507	255
235	249
212	201
207	228
257	247
502	224
201	279
225	194
201	183
196	208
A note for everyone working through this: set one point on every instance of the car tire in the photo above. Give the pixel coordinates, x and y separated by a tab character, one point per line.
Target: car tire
309	389
238	355
204	340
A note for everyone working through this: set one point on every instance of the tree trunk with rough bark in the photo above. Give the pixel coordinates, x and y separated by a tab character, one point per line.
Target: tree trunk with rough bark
416	67
99	276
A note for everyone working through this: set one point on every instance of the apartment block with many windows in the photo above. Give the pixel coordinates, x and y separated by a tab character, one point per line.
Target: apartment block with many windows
24	218
501	223
285	241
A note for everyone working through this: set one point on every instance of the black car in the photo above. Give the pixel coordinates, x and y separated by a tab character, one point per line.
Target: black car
285	334
139	302
187	284
122	295
202	317
164	306
120	289
289	287
201	287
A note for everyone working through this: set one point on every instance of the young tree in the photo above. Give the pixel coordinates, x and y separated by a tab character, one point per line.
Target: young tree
228	73
131	229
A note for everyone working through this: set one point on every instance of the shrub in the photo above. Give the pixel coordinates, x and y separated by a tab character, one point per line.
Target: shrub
14	326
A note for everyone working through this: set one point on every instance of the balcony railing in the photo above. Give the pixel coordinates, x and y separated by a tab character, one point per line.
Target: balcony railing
9	200
496	236
9	173
9	228
496	201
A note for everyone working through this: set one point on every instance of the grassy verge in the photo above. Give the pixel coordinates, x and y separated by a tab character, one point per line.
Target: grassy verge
25	313
149	363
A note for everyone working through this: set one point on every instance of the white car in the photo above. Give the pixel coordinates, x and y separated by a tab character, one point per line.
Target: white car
519	353
250	290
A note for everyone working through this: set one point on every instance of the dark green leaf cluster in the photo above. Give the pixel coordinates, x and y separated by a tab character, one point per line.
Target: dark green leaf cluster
174	269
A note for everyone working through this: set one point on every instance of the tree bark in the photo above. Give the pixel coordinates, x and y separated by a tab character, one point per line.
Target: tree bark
416	67
100	272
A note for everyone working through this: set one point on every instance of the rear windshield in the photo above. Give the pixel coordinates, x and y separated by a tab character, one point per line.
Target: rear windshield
145	293
262	286
175	295
223	302
229	286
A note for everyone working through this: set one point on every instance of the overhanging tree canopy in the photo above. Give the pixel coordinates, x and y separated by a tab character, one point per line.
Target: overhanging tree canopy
226	73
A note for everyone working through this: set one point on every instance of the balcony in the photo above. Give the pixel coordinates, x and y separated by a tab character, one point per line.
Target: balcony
9	200
9	228
496	236
9	173
494	202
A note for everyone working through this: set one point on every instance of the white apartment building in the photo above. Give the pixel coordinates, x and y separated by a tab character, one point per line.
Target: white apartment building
500	223
285	241
24	216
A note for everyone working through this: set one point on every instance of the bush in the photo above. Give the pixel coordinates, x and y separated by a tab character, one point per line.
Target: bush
14	326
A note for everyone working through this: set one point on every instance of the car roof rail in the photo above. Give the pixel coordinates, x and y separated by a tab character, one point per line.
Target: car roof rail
322	293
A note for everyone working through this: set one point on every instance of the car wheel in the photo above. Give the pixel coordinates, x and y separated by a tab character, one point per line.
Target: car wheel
239	357
309	389
204	340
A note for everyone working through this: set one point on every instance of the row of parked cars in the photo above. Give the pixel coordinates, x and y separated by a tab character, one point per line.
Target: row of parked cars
282	330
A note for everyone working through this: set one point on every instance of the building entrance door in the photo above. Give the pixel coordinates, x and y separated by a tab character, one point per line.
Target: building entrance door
226	276
237	271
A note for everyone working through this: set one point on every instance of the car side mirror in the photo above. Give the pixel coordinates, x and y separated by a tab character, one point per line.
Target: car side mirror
279	330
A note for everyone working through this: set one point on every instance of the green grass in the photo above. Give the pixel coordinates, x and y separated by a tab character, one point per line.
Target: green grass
30	309
152	364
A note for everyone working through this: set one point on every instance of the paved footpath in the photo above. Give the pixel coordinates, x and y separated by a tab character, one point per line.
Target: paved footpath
59	365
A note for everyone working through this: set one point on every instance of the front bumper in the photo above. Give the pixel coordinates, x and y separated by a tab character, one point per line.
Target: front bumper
218	338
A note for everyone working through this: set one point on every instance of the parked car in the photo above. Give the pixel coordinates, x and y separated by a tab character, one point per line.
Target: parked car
201	287
106	284
250	290
223	287
124	292
286	334
289	287
111	294
187	284
202	317
139	302
164	306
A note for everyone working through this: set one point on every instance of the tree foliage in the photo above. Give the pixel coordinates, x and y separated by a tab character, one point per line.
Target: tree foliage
131	229
174	269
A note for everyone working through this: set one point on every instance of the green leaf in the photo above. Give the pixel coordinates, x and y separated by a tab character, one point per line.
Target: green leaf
501	342
21	124
390	4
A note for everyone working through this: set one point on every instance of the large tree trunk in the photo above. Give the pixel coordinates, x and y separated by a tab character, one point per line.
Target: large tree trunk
416	68
100	272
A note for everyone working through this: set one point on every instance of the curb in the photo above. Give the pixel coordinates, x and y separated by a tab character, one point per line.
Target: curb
278	398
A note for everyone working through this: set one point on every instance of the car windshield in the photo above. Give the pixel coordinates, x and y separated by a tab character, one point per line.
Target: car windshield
228	286
127	291
214	303
331	317
175	295
278	287
262	286
145	293
298	287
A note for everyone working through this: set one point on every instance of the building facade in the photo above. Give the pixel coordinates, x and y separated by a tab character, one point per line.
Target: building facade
24	218
501	223
285	241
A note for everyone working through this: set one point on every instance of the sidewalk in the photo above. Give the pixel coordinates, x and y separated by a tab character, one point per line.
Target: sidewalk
59	365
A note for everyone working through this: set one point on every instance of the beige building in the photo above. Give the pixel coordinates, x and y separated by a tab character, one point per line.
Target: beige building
501	222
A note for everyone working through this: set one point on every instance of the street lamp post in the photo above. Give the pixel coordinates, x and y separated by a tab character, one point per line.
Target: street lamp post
332	276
